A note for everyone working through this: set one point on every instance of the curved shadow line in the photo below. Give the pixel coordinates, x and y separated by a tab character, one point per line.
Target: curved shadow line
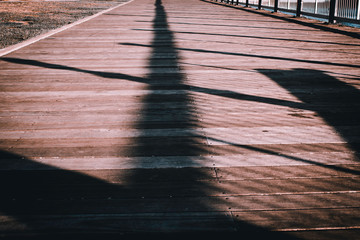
63	67
266	151
269	46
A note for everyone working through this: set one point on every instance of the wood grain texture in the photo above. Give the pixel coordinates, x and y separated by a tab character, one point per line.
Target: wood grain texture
182	118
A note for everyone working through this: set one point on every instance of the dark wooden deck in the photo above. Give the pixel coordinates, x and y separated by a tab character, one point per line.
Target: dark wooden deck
179	118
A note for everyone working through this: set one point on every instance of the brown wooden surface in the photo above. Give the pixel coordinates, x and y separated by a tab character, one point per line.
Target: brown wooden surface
183	117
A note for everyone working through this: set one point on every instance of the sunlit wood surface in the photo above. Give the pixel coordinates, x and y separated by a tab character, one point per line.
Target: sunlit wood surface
183	117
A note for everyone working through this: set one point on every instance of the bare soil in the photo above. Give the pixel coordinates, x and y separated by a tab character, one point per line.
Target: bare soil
21	20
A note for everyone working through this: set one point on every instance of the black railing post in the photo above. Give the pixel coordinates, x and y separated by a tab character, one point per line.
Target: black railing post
276	5
247	3
332	11
298	8
259	6
237	2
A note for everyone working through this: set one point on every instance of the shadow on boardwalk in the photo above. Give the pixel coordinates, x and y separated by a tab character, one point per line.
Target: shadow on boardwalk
335	101
79	205
55	203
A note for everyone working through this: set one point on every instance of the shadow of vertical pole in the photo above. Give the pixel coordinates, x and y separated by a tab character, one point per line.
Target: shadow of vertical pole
168	97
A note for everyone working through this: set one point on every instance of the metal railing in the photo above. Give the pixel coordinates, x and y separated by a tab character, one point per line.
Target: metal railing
332	10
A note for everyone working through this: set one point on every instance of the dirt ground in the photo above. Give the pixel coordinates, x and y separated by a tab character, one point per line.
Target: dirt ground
21	20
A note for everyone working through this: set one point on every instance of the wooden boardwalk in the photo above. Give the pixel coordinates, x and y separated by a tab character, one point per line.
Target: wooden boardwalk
183	117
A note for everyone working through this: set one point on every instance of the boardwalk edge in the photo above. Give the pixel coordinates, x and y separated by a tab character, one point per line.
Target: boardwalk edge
30	41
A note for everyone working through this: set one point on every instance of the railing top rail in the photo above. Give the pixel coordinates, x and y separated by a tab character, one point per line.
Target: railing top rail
345	11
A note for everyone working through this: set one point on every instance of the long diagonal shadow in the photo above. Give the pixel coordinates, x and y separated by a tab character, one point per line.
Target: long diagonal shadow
67	68
297	159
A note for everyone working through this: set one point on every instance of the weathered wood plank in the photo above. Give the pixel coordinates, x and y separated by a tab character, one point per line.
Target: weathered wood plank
183	188
154	119
108	205
161	159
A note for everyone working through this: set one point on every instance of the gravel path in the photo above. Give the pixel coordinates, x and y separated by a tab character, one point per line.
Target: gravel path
21	20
